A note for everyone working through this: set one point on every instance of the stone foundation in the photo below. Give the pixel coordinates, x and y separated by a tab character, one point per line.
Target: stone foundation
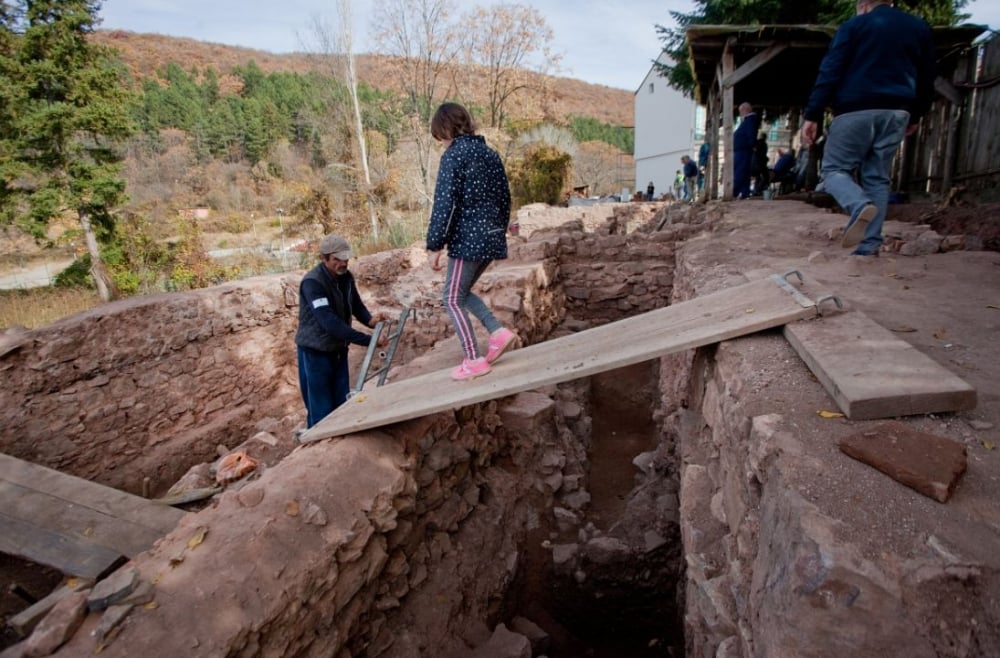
406	542
784	555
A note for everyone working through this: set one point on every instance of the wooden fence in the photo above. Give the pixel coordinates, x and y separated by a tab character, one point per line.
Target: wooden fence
958	143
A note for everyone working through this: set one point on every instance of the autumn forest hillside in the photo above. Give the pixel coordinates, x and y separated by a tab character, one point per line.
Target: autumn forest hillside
145	54
236	151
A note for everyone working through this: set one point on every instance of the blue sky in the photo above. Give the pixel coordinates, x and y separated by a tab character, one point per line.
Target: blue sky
599	43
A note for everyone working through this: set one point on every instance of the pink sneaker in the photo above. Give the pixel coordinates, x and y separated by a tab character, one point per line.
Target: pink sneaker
471	368
500	340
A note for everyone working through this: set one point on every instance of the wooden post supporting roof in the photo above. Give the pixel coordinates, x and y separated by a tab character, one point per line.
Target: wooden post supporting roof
712	137
727	118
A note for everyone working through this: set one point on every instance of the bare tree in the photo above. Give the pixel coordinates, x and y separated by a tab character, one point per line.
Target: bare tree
422	38
596	165
347	43
510	45
340	53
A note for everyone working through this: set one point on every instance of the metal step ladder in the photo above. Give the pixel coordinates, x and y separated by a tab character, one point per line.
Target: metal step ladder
385	355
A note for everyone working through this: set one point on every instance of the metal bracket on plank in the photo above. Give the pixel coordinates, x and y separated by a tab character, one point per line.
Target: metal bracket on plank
804	302
828	298
784	284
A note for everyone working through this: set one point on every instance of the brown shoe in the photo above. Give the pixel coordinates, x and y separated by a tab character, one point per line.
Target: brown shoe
856	230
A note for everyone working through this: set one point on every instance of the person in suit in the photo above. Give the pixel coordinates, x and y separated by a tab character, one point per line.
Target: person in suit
744	138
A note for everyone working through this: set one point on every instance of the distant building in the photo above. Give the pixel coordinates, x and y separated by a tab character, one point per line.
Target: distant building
194	213
664	131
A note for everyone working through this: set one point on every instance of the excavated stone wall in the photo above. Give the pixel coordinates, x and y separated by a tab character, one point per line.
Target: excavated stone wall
780	561
394	543
143	387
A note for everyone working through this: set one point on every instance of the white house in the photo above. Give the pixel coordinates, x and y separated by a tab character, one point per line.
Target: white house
664	131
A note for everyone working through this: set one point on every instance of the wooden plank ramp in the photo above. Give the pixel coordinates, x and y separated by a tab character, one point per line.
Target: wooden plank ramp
728	313
74	525
870	373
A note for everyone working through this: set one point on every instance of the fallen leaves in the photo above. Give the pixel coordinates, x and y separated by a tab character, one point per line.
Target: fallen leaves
823	413
198	537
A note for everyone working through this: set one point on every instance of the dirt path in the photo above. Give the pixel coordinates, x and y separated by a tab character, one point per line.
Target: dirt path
35	276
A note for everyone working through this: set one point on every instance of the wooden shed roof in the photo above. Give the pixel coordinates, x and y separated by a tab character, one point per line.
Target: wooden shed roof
776	65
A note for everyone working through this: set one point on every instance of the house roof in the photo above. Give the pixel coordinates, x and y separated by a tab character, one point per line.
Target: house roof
795	52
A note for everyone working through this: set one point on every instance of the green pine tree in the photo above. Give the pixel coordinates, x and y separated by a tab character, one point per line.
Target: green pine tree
66	115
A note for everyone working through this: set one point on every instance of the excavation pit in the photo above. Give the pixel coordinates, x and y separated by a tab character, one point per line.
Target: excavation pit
423	537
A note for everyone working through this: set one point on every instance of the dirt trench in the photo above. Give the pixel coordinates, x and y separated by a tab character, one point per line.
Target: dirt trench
617	605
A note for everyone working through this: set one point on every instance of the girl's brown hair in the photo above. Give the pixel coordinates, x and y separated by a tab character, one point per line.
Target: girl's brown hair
450	121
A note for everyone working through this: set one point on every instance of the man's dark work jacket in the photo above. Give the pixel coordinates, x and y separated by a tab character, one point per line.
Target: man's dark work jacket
326	305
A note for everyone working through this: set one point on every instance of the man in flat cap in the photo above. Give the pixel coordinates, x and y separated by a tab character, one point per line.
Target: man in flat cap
328	299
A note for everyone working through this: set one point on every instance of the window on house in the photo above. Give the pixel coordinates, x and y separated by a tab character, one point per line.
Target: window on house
650	87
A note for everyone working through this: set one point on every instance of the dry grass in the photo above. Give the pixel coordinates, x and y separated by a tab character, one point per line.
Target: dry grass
37	307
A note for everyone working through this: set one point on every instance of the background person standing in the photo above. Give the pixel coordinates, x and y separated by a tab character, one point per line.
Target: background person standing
744	138
878	77
328	299
690	172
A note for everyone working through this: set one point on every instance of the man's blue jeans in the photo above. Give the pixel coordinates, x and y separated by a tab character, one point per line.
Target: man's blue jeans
864	142
324	381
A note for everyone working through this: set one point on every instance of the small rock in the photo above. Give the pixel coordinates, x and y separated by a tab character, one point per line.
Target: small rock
570	410
110	620
653	540
265	437
577	500
113	589
605	550
563	553
928	242
927	463
539	638
565	519
143	593
57	626
980	425
313	514
644	461
554	482
250	496
504	644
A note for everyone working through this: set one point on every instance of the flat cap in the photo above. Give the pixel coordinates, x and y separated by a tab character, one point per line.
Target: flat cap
336	246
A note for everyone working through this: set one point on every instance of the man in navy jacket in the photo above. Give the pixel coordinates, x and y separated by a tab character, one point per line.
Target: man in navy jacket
328	301
878	77
744	138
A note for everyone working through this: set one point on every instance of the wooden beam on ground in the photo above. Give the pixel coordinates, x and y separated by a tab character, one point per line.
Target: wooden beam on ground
73	555
871	373
71	524
89	494
729	313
